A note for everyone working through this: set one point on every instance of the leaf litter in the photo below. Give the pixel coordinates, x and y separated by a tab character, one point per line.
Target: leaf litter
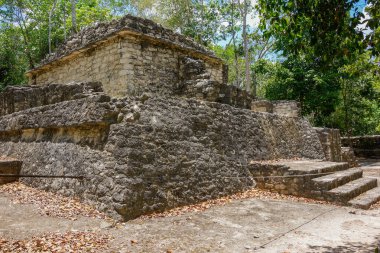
50	204
58	243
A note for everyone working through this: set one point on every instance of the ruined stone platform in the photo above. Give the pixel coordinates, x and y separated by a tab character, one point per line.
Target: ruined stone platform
142	154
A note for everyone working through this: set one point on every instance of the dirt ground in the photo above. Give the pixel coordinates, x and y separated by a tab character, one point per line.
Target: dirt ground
241	225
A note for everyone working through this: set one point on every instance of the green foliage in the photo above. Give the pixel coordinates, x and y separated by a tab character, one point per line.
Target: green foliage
373	23
12	63
227	53
24	32
288	81
321	31
326	68
348	100
359	110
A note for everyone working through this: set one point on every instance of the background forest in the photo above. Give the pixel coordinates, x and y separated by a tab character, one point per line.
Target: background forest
322	53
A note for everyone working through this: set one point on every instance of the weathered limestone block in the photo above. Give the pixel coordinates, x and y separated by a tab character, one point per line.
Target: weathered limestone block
87	111
235	96
9	167
262	106
297	177
349	157
196	82
286	108
83	121
330	140
127	25
18	98
129	56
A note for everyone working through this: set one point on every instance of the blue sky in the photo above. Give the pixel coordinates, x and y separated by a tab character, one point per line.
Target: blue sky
361	4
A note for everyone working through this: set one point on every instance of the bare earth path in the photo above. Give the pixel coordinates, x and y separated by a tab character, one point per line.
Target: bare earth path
248	225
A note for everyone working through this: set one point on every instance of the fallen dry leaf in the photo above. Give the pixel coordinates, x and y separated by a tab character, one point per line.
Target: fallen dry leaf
252	193
50	204
57	243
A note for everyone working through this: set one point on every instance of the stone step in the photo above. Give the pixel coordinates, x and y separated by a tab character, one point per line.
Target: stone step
314	167
344	193
366	199
339	178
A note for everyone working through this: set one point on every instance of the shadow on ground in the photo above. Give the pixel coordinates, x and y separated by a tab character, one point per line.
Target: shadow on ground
349	247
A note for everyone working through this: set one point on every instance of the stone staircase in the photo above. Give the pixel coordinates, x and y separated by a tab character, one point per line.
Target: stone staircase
331	181
347	187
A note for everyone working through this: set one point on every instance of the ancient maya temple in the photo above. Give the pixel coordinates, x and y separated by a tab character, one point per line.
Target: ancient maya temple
146	117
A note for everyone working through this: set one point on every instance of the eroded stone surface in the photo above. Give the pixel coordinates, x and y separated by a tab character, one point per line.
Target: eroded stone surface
366	199
349	157
155	153
129	56
293	177
18	98
330	139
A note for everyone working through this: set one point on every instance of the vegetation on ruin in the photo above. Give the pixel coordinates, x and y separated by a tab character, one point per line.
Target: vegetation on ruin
322	53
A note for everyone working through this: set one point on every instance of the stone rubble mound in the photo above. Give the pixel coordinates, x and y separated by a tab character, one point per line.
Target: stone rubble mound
143	154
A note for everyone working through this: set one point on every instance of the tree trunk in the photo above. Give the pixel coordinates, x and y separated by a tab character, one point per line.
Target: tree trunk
73	16
50	25
21	22
234	44
64	20
244	13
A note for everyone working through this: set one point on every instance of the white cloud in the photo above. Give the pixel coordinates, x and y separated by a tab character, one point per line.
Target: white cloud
362	27
253	19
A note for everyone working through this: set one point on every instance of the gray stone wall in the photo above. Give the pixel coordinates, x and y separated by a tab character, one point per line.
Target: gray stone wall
262	106
18	98
280	107
349	157
364	146
129	56
146	154
286	108
126	66
195	82
330	140
278	178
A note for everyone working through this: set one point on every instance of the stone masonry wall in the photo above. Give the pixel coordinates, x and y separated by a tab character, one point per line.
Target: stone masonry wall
129	56
278	178
286	108
126	66
330	140
349	157
18	98
364	146
280	107
141	155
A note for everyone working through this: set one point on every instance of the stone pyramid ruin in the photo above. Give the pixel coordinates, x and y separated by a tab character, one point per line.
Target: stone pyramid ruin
145	118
